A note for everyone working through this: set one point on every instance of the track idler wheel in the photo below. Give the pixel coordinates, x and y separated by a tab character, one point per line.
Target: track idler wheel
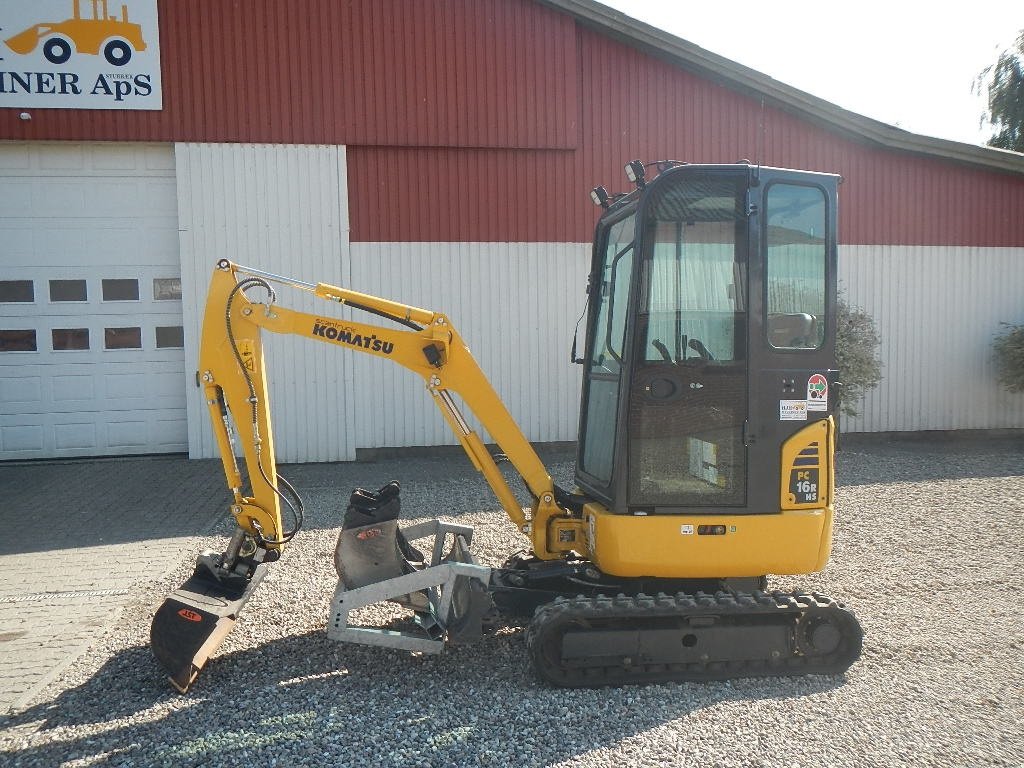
822	631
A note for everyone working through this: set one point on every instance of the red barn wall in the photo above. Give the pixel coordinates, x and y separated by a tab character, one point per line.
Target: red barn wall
636	106
489	121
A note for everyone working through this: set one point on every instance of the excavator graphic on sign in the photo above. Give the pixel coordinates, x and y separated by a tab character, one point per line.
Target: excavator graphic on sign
116	38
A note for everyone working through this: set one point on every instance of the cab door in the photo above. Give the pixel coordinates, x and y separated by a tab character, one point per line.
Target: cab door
710	342
688	396
792	350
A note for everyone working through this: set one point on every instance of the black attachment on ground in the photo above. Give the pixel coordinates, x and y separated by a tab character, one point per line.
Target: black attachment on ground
193	621
371	547
381	506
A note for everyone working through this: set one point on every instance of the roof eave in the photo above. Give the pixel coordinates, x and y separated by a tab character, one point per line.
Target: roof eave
730	73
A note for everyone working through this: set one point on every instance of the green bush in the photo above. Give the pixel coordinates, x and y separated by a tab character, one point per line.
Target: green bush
860	369
1009	356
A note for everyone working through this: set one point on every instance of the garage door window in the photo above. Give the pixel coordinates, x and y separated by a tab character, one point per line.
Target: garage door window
122	338
17	291
167	289
120	290
70	338
68	290
170	337
18	340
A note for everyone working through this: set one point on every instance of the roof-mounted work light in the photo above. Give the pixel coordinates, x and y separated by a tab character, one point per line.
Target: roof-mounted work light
635	173
600	196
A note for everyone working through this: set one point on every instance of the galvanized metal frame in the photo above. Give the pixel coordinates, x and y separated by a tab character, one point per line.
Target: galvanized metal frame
439	580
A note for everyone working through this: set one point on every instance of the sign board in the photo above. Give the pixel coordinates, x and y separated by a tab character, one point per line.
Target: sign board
80	54
817	393
792	410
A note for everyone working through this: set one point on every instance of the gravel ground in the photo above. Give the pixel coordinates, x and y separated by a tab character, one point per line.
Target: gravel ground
928	552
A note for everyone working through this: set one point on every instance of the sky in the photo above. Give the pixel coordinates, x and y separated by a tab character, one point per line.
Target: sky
908	63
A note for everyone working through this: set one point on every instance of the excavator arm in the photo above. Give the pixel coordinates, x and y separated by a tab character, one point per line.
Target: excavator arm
241	304
233	375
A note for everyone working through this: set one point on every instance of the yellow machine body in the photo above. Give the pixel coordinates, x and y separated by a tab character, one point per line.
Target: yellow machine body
794	538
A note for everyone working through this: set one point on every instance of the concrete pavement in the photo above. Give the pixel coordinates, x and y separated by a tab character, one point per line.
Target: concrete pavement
78	538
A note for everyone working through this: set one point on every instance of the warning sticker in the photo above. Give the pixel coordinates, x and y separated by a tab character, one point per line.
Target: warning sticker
247	351
792	410
817	393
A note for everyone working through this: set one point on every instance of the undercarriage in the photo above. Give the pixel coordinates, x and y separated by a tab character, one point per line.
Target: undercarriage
585	628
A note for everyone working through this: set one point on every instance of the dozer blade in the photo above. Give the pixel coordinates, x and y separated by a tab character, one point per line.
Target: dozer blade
24	42
194	620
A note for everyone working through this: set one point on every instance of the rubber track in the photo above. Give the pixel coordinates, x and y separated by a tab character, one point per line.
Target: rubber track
552	619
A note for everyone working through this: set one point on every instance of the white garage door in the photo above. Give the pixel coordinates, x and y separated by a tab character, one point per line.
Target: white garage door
91	343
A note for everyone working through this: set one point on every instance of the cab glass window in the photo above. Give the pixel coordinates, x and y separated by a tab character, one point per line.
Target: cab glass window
613	295
695	278
606	351
795	266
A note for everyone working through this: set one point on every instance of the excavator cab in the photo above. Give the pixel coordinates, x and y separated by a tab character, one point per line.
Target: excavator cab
709	376
710	340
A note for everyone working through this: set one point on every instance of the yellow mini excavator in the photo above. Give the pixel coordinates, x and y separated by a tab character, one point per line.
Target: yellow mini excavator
705	455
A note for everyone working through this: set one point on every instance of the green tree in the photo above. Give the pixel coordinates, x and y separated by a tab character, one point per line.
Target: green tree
860	369
1009	356
1004	84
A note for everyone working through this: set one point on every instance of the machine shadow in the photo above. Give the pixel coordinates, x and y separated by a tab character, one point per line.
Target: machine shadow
306	696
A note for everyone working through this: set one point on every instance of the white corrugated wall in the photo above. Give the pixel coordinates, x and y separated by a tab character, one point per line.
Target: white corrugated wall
280	208
937	309
515	304
284	209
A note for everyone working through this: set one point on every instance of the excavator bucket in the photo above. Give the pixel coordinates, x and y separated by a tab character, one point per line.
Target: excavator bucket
371	547
194	620
376	562
24	42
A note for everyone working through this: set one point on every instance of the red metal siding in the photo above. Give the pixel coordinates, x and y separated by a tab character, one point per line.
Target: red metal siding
489	120
455	73
636	106
466	195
